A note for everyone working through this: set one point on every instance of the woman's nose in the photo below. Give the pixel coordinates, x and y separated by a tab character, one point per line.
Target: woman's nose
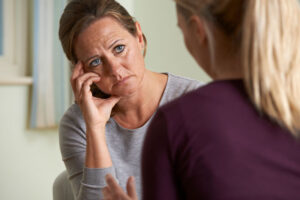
115	69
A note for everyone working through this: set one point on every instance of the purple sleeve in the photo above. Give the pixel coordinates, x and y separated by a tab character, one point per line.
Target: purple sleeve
157	173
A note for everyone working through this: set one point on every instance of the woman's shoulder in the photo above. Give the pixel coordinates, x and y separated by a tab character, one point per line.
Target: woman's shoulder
182	82
214	95
221	87
218	101
72	132
73	112
71	119
177	86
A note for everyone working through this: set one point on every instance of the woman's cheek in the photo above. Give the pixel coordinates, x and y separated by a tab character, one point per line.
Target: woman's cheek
103	85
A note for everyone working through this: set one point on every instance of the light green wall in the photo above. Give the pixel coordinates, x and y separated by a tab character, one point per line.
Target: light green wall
30	160
166	49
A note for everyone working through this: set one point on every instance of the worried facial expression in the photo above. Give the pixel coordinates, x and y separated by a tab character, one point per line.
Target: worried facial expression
107	49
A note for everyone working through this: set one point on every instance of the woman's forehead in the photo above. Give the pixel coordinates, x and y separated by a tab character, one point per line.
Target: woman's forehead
105	26
103	30
100	36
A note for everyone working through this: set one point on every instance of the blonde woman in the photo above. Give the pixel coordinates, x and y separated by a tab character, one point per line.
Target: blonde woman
237	137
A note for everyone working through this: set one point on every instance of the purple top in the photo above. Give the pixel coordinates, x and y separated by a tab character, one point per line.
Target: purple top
213	144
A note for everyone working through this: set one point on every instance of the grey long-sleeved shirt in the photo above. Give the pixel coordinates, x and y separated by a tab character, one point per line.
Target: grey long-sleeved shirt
124	145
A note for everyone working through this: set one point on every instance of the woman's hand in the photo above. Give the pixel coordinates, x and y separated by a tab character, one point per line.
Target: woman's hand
114	192
96	111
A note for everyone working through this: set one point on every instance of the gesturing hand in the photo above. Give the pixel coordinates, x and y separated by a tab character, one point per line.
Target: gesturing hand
114	192
96	111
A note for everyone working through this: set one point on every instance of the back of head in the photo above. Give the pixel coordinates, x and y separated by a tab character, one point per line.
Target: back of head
79	14
267	34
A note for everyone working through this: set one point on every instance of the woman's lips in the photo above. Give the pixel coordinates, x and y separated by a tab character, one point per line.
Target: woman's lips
123	80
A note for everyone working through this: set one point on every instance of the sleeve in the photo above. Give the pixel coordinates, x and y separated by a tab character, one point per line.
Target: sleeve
159	181
86	182
196	84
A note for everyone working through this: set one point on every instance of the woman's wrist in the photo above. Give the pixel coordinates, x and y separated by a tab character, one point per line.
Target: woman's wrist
95	135
95	128
97	153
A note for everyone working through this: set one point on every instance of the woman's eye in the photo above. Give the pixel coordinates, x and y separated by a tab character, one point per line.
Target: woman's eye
119	48
95	62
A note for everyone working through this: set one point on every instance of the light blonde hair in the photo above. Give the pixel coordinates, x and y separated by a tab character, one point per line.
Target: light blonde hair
267	33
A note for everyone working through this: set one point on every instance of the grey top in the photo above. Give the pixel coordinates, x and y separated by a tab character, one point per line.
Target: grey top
124	145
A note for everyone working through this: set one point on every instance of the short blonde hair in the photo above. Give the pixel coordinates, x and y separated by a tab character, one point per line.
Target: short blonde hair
268	35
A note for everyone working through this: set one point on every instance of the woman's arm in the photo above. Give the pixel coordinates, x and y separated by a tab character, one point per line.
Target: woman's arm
97	154
87	183
90	159
96	112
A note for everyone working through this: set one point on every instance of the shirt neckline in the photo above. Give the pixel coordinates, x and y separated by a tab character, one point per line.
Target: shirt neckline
160	104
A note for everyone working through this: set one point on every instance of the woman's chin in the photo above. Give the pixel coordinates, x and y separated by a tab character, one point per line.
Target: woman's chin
127	88
125	92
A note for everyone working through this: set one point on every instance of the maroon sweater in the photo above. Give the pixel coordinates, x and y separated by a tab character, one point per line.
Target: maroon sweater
212	144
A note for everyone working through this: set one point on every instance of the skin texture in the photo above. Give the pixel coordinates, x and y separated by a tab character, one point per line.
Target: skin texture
109	51
214	51
196	40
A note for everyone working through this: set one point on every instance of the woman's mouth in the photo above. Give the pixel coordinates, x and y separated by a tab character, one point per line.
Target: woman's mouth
123	80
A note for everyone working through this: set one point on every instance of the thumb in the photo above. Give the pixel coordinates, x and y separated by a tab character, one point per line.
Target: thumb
131	188
113	100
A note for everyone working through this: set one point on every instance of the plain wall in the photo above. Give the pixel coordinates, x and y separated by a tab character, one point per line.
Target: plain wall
30	160
166	50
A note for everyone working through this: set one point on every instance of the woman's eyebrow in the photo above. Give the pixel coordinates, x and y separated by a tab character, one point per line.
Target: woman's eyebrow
89	58
110	46
114	43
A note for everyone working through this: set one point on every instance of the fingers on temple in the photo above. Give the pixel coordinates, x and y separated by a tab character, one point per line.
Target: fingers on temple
87	83
81	81
83	78
77	71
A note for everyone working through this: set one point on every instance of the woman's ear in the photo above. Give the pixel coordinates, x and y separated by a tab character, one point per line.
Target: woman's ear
139	35
197	28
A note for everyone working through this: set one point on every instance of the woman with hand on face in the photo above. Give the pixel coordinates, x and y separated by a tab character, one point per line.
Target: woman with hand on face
116	95
236	138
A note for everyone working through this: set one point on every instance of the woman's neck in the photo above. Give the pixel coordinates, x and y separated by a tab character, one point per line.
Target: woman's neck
225	56
226	62
134	111
230	70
